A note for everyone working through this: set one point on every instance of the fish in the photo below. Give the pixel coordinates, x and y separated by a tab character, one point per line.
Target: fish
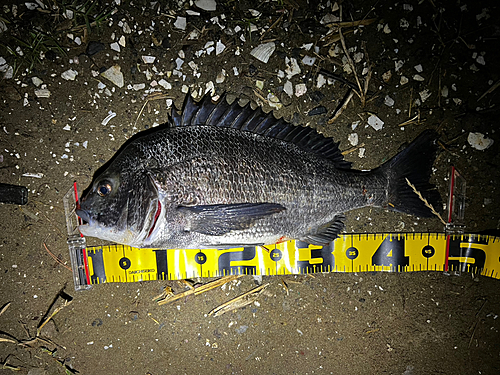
218	174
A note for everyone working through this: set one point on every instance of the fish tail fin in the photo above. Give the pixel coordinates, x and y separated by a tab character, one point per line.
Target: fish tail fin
413	165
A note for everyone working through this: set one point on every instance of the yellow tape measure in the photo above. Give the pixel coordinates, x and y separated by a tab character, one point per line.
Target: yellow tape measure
396	252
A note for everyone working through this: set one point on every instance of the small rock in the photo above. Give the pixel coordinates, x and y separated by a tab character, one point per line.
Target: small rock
418	77
388	101
121	41
93	48
319	110
115	47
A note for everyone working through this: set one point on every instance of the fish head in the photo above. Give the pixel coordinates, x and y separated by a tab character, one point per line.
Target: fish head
121	205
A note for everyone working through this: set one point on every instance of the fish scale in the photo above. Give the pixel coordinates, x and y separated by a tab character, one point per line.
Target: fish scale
218	174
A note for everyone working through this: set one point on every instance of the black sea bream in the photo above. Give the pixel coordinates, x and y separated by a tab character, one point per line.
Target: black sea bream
219	174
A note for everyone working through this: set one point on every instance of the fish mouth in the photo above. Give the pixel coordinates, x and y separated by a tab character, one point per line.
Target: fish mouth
84	215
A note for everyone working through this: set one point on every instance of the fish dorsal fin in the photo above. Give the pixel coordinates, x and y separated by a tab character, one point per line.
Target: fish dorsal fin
244	118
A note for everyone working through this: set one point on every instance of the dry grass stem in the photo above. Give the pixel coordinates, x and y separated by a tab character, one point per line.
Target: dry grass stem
56	258
352	149
344	105
239	302
202	289
427	204
153	96
414	119
490	90
39	329
351	63
5	307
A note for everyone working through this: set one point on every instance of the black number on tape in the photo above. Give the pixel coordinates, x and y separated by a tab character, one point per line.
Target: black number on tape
225	267
457	253
200	258
391	252
428	251
325	253
276	255
352	253
125	263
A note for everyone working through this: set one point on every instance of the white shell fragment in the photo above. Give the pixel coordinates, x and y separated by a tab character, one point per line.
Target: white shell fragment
166	85
388	101
180	23
292	68
36	81
424	95
288	88
148	59
69	75
418	77
300	89
353	139
308	60
114	75
221	76
208	5
42	93
479	141
273	101
375	122
110	115
34	175
122	42
263	51
219	48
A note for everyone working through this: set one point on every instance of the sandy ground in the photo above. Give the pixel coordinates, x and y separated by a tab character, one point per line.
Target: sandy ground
411	323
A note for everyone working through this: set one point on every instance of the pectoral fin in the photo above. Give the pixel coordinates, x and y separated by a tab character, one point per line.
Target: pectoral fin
219	219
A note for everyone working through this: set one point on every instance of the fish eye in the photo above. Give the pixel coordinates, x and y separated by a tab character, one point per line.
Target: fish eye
104	189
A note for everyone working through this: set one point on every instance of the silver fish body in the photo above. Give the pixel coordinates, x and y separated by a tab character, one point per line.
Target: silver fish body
219	175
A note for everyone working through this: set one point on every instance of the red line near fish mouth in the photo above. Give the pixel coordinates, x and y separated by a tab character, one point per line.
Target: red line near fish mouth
158	211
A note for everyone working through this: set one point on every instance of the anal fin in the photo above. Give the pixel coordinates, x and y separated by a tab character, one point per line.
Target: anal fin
328	233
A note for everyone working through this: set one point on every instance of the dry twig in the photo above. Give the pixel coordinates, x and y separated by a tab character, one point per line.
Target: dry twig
240	301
